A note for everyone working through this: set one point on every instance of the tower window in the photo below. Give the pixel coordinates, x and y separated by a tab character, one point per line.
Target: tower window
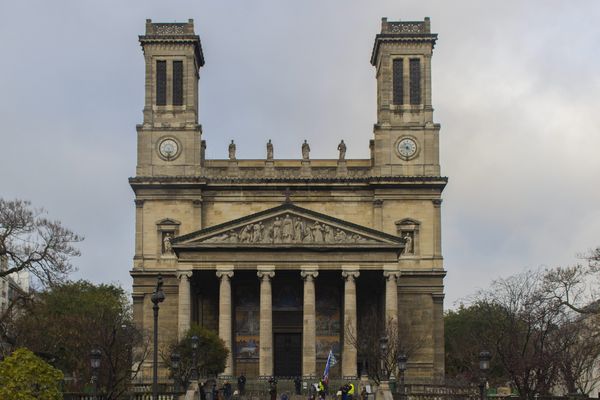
398	87
161	83
415	81
177	83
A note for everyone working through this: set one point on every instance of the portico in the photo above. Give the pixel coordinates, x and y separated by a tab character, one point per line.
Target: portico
280	315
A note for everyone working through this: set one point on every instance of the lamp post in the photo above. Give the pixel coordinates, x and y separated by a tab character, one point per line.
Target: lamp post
95	359
175	362
383	392
402	360
484	366
195	342
157	297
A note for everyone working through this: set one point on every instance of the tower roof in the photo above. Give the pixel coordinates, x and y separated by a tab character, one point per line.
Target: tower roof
403	31
173	32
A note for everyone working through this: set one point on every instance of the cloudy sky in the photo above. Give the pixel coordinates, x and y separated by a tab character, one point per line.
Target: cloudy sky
515	88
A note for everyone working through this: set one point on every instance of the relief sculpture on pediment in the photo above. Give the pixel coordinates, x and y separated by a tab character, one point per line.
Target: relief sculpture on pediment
289	229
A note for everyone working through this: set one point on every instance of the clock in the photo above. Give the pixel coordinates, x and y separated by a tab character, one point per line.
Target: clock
168	148
407	148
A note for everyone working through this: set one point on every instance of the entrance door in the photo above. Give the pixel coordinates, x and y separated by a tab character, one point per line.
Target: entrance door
288	354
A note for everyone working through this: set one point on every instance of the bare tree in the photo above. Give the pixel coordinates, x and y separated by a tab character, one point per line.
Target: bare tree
378	365
29	241
523	338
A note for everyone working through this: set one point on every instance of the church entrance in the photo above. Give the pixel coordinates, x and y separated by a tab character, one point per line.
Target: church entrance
288	354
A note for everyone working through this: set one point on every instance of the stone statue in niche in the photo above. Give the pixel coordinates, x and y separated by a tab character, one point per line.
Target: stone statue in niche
232	150
305	150
342	149
269	150
408	243
167	247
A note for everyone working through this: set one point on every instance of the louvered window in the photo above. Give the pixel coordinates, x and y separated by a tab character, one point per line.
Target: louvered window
398	87
161	83
415	81
177	83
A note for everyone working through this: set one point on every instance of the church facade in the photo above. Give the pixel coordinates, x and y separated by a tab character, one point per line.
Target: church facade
284	257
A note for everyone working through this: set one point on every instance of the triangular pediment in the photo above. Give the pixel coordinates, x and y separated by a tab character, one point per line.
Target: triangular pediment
288	226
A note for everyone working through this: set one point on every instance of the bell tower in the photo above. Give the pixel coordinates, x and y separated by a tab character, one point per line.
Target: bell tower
406	139
169	139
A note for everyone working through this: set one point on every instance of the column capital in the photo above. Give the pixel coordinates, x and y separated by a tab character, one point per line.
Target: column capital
265	275
224	274
392	275
437	202
350	275
309	275
139	203
184	274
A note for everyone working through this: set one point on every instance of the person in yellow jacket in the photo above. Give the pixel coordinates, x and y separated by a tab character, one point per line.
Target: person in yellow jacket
350	391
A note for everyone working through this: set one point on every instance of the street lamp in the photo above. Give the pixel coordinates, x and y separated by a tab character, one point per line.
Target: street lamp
195	342
484	366
175	362
402	360
95	359
383	344
157	297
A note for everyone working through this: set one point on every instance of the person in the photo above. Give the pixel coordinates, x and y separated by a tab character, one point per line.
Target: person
363	393
350	395
298	385
241	384
215	392
227	390
273	388
321	390
344	389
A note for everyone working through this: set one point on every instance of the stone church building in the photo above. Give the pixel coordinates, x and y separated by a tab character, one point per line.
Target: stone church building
283	257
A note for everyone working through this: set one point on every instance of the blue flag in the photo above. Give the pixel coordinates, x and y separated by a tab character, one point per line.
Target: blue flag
331	361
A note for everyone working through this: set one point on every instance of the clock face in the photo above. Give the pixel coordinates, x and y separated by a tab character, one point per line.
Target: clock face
168	148
407	148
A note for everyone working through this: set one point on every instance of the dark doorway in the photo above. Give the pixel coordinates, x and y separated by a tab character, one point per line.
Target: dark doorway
288	354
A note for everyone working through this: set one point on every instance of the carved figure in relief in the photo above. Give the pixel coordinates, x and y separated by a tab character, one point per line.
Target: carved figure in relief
167	248
269	150
233	236
308	235
297	230
408	248
257	232
288	229
232	150
305	150
317	231
329	236
342	149
277	230
340	236
246	234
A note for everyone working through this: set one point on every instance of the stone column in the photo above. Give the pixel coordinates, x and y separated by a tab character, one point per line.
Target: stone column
184	308
265	362
225	316
309	330
349	350
391	296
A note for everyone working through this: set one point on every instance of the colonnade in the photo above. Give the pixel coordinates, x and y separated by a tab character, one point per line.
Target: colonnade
309	274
